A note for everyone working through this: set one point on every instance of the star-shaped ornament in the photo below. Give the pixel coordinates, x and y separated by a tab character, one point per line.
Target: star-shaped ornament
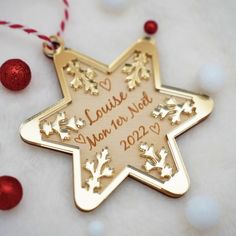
116	121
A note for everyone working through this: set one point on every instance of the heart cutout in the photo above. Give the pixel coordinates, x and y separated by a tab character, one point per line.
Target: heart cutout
155	128
80	139
106	84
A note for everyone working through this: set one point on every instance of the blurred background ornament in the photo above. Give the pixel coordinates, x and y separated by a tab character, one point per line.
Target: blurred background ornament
15	74
11	192
96	228
202	212
150	27
116	6
211	78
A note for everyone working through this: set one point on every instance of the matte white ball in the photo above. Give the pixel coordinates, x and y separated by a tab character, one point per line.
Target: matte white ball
114	5
96	228
211	78
202	212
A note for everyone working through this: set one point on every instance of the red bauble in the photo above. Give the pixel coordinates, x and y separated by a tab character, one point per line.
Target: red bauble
150	27
15	74
11	192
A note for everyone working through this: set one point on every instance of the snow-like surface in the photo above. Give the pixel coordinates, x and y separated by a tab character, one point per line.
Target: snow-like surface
192	33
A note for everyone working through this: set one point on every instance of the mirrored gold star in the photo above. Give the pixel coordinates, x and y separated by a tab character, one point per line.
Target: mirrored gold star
117	120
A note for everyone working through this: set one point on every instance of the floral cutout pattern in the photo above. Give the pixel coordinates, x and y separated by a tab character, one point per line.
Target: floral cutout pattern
155	160
98	171
137	70
174	110
82	78
61	126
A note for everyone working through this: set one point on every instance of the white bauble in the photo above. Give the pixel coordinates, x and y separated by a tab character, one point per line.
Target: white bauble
202	212
114	5
211	78
96	228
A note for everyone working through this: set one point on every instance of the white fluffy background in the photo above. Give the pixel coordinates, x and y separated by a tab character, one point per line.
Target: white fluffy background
192	33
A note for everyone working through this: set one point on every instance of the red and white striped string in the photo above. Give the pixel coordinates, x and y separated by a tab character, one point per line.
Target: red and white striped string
35	32
65	18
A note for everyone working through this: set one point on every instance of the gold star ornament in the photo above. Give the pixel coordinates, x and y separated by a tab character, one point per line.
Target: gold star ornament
116	121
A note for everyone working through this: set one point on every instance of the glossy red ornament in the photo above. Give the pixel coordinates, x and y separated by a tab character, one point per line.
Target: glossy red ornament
15	74
150	27
11	192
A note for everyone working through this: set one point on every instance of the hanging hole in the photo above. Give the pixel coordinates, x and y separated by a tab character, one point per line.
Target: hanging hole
55	46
